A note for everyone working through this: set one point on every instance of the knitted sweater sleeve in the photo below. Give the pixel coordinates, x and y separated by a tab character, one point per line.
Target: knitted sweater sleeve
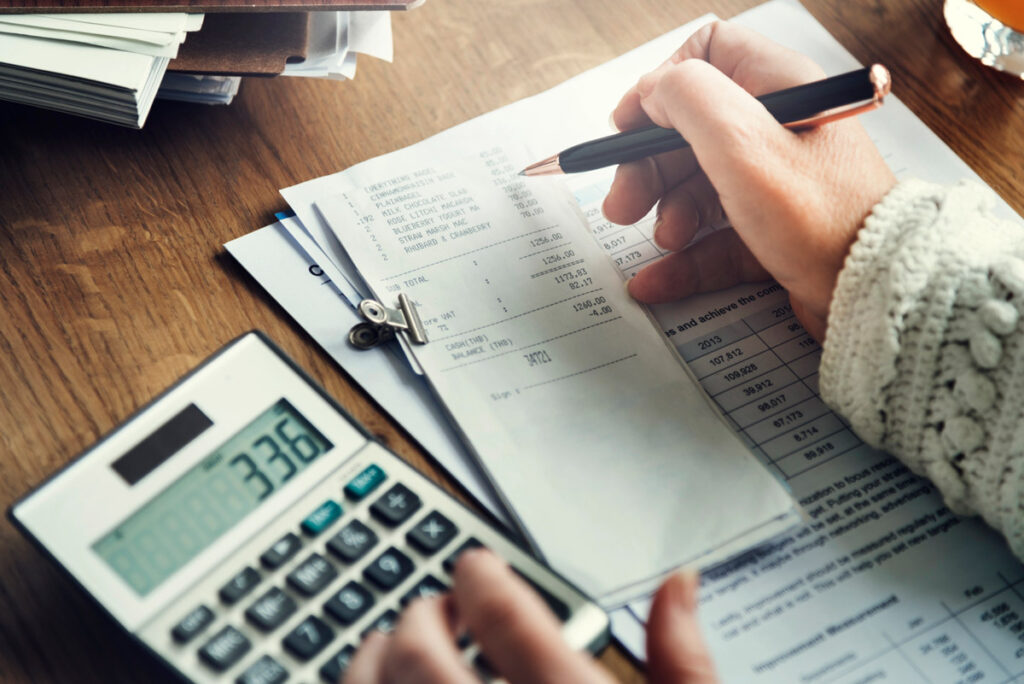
924	351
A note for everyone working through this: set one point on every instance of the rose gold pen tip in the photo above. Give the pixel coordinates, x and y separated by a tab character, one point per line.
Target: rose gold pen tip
545	167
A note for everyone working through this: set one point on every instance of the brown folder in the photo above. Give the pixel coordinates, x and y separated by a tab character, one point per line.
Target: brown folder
252	44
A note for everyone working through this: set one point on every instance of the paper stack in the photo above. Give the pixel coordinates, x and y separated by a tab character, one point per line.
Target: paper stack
112	66
103	66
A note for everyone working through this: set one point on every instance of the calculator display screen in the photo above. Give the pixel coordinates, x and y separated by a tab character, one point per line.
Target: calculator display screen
190	514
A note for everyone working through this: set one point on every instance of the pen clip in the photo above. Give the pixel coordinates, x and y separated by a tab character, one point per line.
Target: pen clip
882	82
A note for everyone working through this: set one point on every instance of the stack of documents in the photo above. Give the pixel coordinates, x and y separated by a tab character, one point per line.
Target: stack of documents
103	66
112	66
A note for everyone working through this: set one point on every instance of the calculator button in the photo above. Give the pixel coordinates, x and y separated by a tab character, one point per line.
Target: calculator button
386	623
352	543
556	605
471	543
365	482
308	638
320	519
315	573
281	552
192	624
427	587
349	603
396	505
271	609
389	569
239	585
266	670
334	668
432	533
225	648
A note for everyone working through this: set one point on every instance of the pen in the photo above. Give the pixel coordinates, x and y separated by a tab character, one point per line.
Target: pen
803	106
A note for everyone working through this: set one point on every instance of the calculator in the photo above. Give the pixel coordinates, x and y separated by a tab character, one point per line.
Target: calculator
244	528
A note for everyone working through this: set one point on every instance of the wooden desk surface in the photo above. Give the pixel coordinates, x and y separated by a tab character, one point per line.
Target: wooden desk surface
113	282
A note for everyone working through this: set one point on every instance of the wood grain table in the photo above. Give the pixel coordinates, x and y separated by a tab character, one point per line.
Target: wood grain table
113	281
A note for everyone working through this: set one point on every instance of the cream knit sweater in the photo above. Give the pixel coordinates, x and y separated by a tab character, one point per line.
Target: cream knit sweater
924	352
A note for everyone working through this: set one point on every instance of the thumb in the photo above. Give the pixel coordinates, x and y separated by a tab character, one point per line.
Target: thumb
676	652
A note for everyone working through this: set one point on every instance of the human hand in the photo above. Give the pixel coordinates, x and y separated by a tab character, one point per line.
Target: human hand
519	637
795	201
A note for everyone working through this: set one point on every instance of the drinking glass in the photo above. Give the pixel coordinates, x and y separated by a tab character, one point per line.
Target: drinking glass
990	30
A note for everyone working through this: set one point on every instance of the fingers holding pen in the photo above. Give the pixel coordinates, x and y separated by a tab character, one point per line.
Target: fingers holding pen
716	262
684	210
639	185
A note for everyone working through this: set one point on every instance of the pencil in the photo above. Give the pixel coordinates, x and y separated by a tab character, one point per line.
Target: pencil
803	106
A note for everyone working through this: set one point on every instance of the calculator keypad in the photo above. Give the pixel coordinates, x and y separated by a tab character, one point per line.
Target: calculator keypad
322	518
397	504
225	648
350	603
315	573
432	533
283	550
239	585
309	638
271	610
266	670
365	482
340	555
389	569
352	542
192	624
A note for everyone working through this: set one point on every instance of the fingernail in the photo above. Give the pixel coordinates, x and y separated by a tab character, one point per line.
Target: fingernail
657	229
628	281
611	122
645	86
689	583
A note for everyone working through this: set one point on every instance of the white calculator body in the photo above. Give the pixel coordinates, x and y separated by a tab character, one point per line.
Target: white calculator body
245	529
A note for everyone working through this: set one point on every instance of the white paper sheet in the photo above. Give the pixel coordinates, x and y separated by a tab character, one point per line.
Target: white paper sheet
168	49
127	71
167	22
370	34
70	23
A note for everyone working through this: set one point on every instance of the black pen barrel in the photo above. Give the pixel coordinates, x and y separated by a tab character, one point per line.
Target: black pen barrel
804	101
793	104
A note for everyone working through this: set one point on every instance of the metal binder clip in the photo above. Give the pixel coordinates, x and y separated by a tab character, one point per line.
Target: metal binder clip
383	323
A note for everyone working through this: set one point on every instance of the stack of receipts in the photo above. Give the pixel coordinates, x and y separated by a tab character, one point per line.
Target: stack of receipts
103	66
880	583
